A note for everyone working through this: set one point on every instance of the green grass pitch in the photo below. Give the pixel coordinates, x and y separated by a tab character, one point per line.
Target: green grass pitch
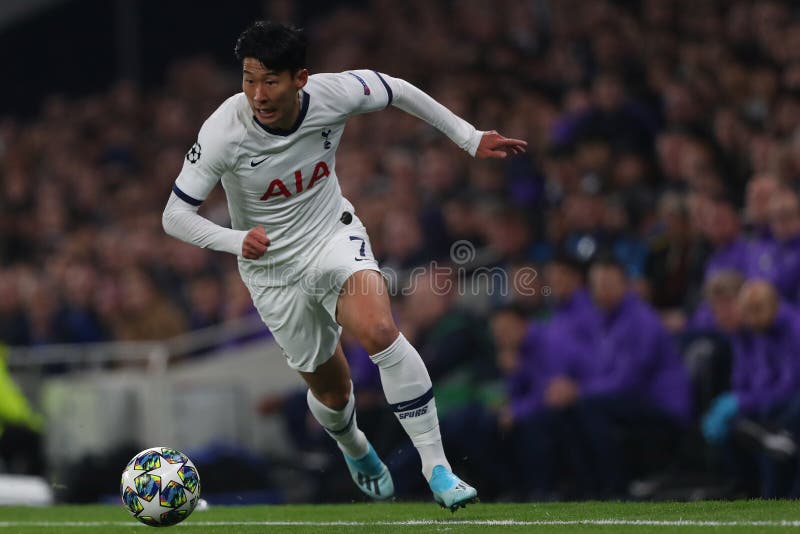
739	516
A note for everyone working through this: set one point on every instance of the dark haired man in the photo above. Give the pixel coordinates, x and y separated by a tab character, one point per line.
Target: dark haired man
634	377
303	253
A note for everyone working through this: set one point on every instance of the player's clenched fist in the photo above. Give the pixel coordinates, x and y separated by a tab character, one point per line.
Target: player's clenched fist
255	243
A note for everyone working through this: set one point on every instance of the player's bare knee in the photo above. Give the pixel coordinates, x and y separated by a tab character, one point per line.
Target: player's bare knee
379	336
335	399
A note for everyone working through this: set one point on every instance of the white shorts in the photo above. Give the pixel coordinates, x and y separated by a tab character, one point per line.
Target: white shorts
302	316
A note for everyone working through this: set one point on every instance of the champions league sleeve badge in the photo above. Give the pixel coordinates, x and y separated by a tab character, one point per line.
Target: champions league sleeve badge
194	153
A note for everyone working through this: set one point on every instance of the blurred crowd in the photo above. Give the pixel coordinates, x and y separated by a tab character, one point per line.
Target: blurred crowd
657	208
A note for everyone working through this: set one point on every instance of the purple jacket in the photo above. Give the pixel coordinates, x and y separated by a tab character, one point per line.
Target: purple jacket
780	264
766	365
550	349
740	255
702	319
525	386
635	354
569	333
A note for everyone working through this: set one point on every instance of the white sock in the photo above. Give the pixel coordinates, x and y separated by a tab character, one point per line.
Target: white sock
409	392
341	425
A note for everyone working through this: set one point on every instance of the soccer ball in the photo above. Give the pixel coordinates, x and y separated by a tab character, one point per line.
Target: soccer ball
160	486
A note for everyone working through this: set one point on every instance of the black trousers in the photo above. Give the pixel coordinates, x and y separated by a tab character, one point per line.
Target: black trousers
617	436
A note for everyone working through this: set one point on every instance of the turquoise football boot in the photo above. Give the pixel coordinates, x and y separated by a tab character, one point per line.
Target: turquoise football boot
450	491
371	475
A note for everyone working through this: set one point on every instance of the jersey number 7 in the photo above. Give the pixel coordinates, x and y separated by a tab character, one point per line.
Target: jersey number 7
362	250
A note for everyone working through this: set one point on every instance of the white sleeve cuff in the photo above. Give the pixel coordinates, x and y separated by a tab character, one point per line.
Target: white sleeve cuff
474	142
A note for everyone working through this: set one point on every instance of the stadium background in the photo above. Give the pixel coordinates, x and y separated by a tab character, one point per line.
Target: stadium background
639	115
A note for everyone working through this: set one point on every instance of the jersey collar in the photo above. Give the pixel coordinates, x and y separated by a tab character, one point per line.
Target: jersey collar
297	123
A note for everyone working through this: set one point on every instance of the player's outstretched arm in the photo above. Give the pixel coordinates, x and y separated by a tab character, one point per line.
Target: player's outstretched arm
494	145
480	144
181	220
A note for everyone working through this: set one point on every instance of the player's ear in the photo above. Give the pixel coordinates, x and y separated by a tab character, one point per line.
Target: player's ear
301	78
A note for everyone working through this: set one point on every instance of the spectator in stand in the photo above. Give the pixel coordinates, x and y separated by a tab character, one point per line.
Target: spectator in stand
78	316
781	261
569	334
765	381
42	311
719	311
633	379
760	190
508	233
583	215
146	315
706	341
618	237
730	248
674	259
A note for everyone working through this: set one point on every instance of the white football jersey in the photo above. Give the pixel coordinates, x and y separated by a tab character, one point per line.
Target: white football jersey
285	180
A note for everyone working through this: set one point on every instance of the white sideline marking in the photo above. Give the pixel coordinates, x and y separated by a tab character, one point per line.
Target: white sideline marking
421	522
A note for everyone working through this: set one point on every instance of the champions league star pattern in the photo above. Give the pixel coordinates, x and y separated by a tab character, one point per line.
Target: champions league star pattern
160	486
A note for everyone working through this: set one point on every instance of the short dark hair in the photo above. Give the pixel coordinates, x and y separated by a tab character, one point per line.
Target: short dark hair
276	46
564	258
607	259
514	308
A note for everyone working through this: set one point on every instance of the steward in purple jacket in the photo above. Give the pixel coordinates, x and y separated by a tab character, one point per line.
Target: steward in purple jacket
780	263
635	354
765	386
766	365
631	388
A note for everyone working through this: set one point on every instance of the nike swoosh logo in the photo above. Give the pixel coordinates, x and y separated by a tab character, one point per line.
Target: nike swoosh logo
257	163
